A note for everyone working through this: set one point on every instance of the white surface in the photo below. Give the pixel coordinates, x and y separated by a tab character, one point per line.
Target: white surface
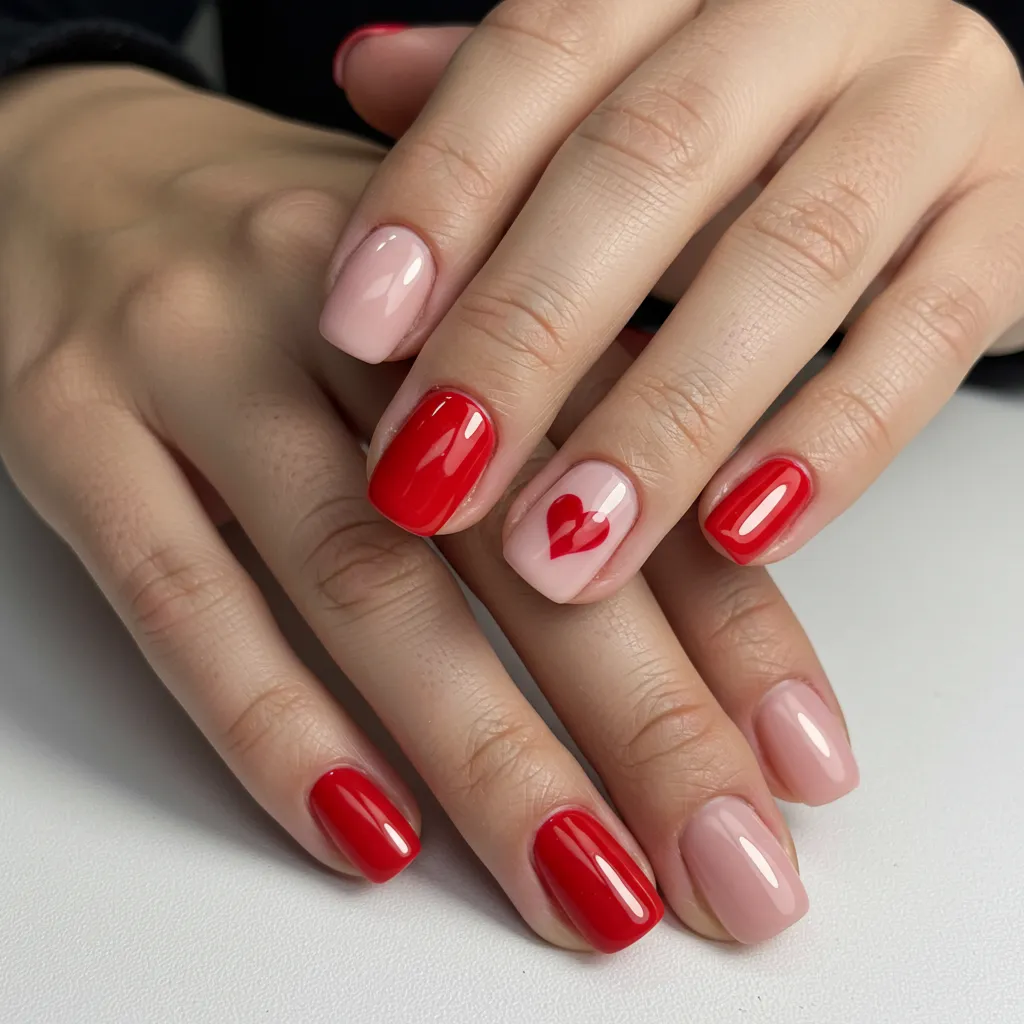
141	885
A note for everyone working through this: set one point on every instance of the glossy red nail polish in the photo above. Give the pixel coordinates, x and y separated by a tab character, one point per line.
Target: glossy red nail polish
363	823
433	462
357	36
757	510
599	887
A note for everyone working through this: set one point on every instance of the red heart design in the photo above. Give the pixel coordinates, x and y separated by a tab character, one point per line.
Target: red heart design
571	530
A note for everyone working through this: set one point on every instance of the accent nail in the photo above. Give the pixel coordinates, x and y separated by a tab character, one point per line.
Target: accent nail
433	462
599	887
363	823
571	532
347	44
759	508
379	294
805	744
742	871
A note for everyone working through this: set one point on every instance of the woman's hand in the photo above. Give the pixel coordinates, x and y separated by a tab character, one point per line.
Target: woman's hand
160	370
572	150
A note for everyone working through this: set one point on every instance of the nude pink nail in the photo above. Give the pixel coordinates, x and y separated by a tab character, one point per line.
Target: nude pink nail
379	294
805	744
742	871
568	535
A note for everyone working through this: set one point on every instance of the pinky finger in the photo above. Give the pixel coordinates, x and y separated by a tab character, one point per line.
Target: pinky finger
959	291
201	622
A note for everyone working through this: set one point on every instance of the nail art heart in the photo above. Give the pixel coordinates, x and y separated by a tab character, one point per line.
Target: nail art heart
571	529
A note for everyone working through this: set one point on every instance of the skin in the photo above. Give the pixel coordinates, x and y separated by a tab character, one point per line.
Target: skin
782	167
161	253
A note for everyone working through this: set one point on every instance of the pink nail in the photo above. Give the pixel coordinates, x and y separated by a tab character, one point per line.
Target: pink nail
569	534
805	744
379	294
742	871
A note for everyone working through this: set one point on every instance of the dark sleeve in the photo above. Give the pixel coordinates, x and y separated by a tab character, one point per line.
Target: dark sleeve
146	32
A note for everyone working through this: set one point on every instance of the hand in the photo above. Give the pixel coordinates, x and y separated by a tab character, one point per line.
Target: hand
160	368
572	151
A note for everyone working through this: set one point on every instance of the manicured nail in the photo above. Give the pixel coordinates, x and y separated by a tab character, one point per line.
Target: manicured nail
379	294
568	535
433	462
363	823
805	744
758	509
742	870
599	887
347	44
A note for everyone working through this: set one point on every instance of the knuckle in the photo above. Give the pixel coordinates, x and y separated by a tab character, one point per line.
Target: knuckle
949	319
177	307
857	414
502	750
671	129
668	732
532	321
822	231
282	710
301	225
358	565
745	613
682	414
173	589
566	29
463	174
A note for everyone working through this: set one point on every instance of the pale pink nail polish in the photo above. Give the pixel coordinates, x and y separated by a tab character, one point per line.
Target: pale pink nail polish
805	744
742	871
379	294
568	535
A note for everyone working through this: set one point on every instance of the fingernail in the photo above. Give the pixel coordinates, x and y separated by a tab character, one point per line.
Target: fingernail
759	508
805	744
379	294
347	44
599	887
568	535
433	462
363	823
742	871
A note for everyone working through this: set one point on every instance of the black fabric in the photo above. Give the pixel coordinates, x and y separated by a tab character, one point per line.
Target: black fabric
278	55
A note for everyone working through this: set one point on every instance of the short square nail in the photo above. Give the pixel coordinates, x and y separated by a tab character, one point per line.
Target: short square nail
598	886
805	744
363	823
433	462
353	39
742	871
571	532
751	517
379	294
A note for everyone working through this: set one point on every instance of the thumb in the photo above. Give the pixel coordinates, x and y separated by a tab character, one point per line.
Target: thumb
389	72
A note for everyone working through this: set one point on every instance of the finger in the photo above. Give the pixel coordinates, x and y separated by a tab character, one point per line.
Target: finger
628	189
389	612
113	491
747	644
517	87
388	76
742	637
958	292
776	286
682	774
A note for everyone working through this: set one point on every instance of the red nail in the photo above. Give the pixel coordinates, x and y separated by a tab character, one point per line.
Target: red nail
757	510
597	884
357	36
433	462
363	823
